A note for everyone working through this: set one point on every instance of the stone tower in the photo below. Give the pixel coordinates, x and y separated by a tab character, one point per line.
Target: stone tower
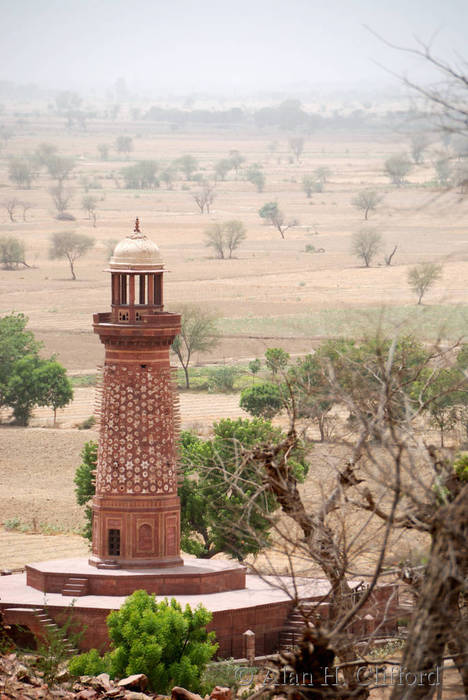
136	510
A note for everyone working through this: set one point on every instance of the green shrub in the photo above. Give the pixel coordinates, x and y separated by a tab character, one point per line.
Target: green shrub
89	664
461	466
12	523
169	645
223	378
87	424
224	674
262	400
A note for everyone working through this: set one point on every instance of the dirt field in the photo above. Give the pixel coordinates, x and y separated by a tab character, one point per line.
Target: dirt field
270	277
272	293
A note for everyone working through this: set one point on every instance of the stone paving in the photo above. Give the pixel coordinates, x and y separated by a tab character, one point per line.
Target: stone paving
258	591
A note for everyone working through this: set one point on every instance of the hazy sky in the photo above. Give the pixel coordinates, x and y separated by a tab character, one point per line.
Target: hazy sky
193	45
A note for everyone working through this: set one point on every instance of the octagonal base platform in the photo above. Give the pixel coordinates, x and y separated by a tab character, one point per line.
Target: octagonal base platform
262	606
76	577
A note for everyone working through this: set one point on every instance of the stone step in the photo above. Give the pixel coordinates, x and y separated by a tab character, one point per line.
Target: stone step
75	586
77	580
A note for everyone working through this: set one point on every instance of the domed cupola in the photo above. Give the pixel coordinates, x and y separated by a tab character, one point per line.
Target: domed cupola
137	269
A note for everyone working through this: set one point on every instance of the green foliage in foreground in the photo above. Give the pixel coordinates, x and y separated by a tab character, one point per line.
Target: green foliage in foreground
460	466
170	645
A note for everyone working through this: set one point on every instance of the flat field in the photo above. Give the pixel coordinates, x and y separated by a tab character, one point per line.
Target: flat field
272	293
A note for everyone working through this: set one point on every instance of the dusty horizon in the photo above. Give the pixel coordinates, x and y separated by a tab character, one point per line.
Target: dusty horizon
219	47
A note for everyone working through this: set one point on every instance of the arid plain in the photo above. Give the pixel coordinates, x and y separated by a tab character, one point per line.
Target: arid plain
272	293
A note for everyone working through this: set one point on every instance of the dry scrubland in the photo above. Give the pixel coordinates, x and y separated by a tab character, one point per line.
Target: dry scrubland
272	293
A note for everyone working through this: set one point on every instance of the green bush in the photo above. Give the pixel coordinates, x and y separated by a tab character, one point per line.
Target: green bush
461	466
169	645
12	523
222	378
89	664
87	424
224	674
264	400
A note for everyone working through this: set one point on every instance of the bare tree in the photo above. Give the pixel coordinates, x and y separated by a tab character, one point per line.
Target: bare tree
124	144
22	170
205	197
422	277
390	473
61	198
225	237
296	144
10	205
366	201
273	214
60	168
214	238
103	149
389	256
419	143
365	244
89	204
12	253
198	333
71	246
235	233
397	168
444	101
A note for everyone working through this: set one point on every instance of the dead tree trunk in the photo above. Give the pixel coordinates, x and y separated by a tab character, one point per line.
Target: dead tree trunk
437	611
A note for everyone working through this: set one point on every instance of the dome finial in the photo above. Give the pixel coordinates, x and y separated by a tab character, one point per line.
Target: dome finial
137	226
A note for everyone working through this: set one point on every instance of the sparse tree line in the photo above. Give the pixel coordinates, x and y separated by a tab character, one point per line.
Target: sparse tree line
223	237
439	393
24	170
67	245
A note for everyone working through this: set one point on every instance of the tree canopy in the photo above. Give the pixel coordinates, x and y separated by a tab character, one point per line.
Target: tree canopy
215	514
27	380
